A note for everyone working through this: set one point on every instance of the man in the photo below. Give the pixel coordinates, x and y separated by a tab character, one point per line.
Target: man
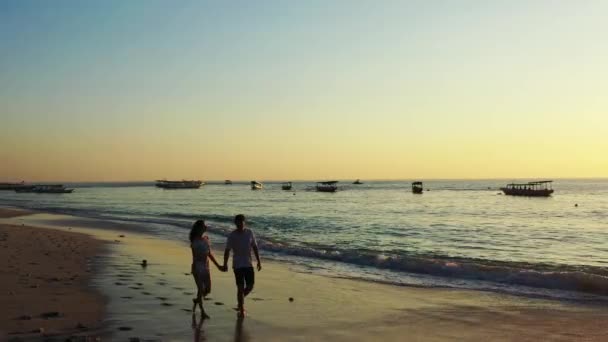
241	241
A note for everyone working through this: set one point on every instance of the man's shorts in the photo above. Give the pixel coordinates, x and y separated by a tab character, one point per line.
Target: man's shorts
245	277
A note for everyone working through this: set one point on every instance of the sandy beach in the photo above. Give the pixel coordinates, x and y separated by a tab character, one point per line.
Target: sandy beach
154	302
44	281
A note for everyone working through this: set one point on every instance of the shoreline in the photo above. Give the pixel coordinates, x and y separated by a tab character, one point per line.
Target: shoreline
154	302
45	282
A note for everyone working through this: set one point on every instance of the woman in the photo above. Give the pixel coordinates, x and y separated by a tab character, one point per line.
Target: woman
201	253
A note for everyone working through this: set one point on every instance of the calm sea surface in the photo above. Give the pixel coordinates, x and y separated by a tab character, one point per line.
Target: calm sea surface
459	234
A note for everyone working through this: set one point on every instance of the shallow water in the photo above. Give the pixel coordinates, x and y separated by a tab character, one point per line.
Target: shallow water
460	233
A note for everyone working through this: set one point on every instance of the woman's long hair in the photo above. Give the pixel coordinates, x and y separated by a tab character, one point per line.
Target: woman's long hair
198	228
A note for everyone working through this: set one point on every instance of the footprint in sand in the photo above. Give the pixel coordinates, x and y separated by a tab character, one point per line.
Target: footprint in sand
218	303
125	328
166	304
189	293
161	298
146	293
257	299
187	310
126	297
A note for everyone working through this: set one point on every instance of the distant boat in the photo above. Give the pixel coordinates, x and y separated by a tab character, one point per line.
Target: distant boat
256	185
14	186
286	186
530	189
417	187
329	186
357	182
46	189
183	184
228	182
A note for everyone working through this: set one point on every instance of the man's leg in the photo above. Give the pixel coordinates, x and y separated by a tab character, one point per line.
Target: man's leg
249	281
240	286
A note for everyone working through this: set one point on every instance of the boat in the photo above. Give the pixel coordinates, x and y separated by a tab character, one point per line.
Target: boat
46	189
417	187
357	182
256	185
329	186
530	189
286	186
14	186
228	182
183	184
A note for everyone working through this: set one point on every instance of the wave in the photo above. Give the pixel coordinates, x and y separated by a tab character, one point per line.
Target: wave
590	280
582	279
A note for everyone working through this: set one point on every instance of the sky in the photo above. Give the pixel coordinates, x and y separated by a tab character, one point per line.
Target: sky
287	90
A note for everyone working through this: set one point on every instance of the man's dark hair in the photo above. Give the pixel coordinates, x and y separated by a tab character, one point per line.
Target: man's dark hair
239	218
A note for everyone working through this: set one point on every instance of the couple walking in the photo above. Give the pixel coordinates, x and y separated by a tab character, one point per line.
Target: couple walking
241	242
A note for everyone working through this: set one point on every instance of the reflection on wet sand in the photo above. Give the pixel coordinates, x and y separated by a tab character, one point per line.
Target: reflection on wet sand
197	327
239	334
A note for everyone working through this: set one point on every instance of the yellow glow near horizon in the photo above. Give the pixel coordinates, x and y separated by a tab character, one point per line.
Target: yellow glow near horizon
398	91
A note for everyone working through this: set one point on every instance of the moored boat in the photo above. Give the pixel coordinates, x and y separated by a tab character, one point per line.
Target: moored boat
46	189
417	187
183	184
286	186
357	182
13	186
228	182
256	185
329	186
530	189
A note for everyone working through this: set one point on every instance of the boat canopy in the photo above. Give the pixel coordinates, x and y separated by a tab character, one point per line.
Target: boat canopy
416	183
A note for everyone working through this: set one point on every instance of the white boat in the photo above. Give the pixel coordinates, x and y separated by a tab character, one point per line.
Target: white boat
256	185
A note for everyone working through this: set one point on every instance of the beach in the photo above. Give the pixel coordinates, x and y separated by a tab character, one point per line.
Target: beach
44	281
154	302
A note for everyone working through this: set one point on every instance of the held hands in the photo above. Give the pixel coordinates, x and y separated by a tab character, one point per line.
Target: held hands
259	266
223	268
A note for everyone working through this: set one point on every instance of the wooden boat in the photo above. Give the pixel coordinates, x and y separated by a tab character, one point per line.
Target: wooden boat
417	187
530	189
228	182
357	182
256	185
183	184
329	186
46	189
14	186
286	186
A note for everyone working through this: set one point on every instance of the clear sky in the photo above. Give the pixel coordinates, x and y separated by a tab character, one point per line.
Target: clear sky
140	90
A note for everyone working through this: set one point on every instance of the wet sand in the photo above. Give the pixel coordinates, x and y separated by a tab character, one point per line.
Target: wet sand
154	302
44	282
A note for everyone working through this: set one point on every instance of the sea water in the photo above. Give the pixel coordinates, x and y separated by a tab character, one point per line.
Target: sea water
462	234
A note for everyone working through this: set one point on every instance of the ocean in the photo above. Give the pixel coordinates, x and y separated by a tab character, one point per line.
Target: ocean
458	233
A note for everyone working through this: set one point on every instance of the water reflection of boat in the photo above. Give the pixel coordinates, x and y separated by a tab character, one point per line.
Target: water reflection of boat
46	189
329	186
417	187
286	186
256	185
530	189
183	184
357	182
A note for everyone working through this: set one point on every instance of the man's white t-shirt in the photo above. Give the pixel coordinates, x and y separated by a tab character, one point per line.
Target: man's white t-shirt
240	243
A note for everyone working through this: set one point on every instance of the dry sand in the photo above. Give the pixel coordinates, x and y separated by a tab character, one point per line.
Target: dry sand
153	302
44	276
